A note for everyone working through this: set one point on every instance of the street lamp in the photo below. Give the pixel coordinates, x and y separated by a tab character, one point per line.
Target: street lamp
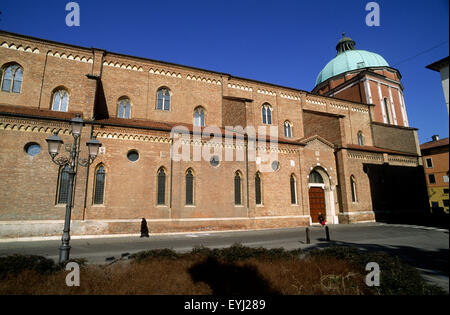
54	145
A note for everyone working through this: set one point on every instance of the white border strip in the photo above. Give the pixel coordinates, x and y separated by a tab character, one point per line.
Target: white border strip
155	220
187	233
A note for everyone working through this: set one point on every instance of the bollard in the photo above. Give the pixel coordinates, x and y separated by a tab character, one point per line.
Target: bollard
327	231
308	239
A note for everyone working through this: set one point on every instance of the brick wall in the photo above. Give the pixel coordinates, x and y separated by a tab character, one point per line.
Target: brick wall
29	184
326	126
395	138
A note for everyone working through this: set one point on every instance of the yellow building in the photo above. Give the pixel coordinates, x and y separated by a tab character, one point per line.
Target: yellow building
436	164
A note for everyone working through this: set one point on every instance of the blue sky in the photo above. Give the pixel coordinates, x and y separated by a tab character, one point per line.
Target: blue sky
281	42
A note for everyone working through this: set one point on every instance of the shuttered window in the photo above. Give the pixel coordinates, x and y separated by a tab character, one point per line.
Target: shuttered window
237	189
189	188
258	189
161	187
99	190
63	187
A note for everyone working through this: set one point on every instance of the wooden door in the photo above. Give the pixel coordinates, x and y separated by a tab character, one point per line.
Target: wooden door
316	203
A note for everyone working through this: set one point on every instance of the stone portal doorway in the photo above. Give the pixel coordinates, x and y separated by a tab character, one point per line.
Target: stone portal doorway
321	196
317	203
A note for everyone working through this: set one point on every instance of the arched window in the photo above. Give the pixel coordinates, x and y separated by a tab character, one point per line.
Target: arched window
12	78
163	99
99	185
360	138
258	196
124	108
315	178
60	100
353	186
287	129
63	185
266	114
199	117
237	188
161	186
189	187
386	109
293	184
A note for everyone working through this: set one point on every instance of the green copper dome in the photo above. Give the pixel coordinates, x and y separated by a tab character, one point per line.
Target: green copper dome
348	58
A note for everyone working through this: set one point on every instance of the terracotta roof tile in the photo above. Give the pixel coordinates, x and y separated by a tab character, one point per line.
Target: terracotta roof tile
36	112
434	144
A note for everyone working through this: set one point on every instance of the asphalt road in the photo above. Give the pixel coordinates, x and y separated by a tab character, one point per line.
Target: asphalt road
424	248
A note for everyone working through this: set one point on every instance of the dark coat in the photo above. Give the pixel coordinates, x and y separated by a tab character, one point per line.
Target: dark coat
144	228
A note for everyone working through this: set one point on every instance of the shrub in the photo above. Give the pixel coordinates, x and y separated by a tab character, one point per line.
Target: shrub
238	252
15	264
154	253
396	277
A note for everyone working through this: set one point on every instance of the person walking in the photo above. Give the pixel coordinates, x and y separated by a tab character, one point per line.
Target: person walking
144	228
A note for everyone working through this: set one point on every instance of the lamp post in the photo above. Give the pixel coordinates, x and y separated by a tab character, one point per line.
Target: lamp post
54	145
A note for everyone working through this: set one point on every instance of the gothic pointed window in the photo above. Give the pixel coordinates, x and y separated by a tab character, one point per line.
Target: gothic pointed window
237	188
161	187
99	185
163	99
199	117
63	185
266	111
124	108
258	196
60	100
293	185
12	78
189	187
353	187
360	138
287	129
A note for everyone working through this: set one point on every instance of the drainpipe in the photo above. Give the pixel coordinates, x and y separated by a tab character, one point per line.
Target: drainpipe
87	174
246	166
92	124
171	174
42	81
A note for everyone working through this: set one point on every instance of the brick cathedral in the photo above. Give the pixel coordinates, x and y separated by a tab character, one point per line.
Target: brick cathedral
344	150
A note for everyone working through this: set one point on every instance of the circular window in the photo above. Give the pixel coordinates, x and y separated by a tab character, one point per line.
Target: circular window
32	149
275	165
133	155
214	161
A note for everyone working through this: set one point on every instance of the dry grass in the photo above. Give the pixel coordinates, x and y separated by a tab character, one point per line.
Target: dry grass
194	274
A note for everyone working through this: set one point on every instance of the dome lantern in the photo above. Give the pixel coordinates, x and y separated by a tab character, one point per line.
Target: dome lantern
346	43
